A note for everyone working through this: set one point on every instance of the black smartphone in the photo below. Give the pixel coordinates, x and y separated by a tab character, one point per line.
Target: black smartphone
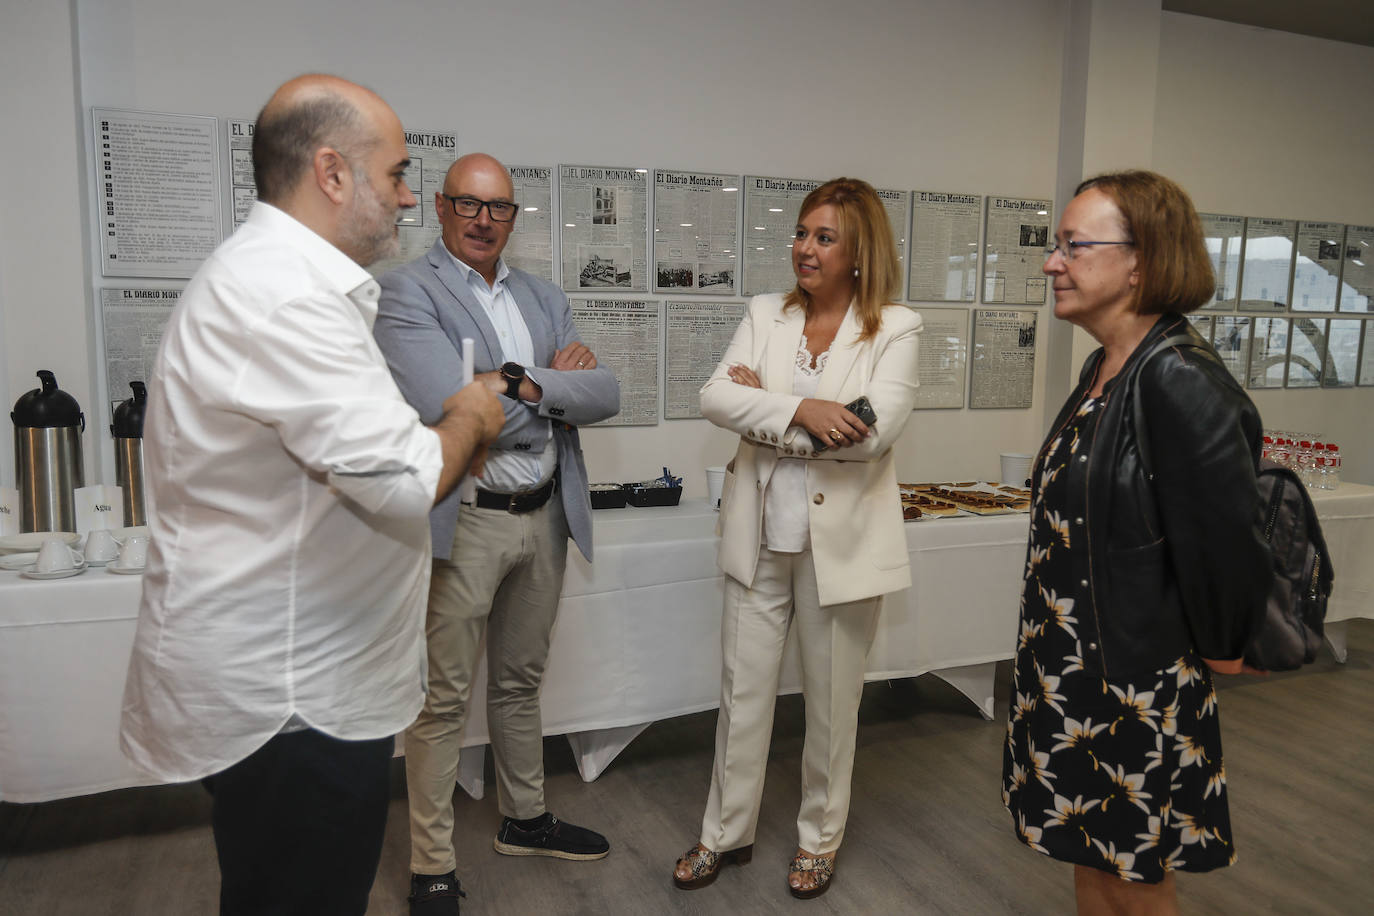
860	408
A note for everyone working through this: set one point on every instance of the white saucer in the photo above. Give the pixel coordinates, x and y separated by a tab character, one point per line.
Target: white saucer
17	560
56	574
32	540
114	567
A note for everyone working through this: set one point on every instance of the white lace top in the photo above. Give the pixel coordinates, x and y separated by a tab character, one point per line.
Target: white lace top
786	521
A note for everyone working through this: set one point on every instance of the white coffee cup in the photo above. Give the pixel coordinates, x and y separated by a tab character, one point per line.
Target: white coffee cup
134	554
101	546
56	556
715	481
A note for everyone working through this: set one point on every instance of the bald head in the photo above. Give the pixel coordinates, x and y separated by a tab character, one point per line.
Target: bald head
477	165
476	240
309	112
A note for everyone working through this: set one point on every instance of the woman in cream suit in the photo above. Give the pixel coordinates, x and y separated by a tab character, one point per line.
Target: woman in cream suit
811	536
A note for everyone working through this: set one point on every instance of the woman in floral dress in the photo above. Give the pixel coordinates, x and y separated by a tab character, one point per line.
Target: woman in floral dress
1139	584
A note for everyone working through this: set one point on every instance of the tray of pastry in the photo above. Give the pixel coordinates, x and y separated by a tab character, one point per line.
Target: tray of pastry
919	506
948	499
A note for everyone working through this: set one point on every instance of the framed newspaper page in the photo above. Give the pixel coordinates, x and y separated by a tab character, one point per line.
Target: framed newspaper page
1224	237
943	266
696	232
605	213
1267	273
1015	236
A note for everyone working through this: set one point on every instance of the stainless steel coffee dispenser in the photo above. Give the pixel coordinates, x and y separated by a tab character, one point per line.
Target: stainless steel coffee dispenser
127	430
48	424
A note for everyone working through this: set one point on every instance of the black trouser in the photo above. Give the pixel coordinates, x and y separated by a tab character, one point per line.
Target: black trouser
299	825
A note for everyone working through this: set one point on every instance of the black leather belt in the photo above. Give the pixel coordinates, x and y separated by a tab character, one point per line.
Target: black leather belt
526	501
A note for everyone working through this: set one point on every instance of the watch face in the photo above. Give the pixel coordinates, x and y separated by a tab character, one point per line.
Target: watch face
513	370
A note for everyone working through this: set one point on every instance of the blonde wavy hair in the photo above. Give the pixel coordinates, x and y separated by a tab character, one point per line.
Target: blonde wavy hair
865	230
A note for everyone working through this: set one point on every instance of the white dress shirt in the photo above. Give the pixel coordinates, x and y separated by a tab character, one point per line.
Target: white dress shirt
288	487
786	519
508	471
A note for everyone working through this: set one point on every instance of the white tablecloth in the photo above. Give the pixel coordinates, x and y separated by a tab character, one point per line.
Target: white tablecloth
637	638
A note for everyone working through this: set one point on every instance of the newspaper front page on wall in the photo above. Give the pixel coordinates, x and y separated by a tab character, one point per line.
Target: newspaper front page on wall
1017	233
157	187
1268	264
695	336
696	232
530	246
944	246
771	206
624	334
942	359
243	184
1224	237
605	212
431	153
133	320
1003	373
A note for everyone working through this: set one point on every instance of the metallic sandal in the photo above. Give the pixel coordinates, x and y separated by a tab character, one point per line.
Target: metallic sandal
705	864
822	866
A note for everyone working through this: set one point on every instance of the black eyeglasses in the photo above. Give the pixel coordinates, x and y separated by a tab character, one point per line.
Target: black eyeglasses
1068	250
502	211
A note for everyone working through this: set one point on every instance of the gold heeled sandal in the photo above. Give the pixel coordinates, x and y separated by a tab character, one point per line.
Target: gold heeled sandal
822	870
705	864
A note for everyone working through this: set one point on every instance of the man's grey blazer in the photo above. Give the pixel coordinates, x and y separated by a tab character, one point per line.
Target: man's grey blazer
426	310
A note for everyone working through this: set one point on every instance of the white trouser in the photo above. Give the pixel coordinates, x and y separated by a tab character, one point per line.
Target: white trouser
834	643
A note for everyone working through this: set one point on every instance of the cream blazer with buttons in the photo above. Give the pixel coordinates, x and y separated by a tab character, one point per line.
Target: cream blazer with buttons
857	537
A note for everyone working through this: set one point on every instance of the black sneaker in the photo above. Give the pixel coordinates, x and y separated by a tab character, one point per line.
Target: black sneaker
435	895
551	837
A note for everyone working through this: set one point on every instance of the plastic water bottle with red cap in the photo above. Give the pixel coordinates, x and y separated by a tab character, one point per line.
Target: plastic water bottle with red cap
1333	466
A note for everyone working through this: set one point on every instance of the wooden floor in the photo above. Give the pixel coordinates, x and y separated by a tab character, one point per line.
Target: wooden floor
927	832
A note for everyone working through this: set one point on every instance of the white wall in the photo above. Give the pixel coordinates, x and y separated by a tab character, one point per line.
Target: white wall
1263	123
947	94
950	94
44	305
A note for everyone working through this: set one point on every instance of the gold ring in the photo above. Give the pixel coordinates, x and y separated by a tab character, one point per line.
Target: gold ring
835	434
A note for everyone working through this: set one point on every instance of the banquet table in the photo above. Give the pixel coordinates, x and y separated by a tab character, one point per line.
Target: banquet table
637	641
1347	519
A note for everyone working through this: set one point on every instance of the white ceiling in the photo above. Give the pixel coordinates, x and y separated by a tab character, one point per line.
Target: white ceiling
1338	20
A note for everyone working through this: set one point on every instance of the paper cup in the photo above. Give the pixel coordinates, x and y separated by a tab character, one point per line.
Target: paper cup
1016	468
715	481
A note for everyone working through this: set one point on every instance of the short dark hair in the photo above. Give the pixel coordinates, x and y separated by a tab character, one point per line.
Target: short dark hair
286	138
1175	271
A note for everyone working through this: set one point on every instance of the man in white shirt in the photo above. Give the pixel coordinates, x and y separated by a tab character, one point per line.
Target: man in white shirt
280	643
498	563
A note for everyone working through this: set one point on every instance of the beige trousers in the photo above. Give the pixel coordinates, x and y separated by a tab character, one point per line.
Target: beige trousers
504	576
834	643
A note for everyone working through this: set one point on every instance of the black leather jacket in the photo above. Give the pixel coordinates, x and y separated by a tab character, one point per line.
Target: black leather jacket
1175	564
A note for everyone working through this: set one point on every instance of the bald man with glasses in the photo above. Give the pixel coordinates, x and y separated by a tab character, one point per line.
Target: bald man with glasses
499	559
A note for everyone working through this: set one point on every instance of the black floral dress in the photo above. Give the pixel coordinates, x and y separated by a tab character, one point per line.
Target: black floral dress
1120	774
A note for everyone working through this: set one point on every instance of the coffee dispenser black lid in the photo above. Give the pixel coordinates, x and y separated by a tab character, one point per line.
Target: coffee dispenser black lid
128	416
47	407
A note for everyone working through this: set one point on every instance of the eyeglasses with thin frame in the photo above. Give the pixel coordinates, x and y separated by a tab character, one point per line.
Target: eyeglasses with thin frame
502	211
1068	249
